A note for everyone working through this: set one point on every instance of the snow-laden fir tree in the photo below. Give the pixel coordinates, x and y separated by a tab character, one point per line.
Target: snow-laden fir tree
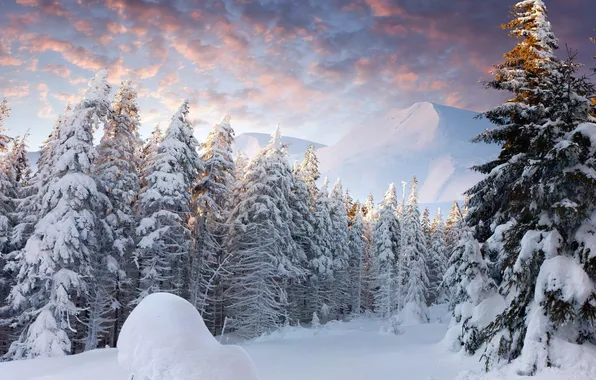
164	209
211	198
452	226
436	259
340	251
20	162
357	245
28	206
259	242
118	170
4	112
241	162
303	220
6	184
368	280
55	267
425	224
474	298
148	153
414	269
309	170
386	251
321	267
541	184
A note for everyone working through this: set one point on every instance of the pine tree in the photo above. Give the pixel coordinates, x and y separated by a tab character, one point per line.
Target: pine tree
340	250
303	220
322	267
368	280
386	251
425	224
164	208
470	286
539	184
210	205
117	169
4	113
259	241
357	245
452	225
414	267
55	267
437	259
309	170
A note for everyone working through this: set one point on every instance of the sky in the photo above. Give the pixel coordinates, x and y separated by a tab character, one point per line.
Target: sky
316	67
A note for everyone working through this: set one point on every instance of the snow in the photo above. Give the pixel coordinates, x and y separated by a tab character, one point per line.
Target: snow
165	338
354	350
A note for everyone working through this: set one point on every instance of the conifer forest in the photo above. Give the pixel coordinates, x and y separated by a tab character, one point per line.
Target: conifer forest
260	244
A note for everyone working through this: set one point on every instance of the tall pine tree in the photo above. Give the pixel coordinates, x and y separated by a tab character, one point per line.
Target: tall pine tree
540	183
56	266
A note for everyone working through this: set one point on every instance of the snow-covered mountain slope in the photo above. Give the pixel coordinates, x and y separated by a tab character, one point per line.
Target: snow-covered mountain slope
251	143
428	140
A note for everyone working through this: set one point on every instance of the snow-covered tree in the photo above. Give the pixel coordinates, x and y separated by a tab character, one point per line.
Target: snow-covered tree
340	250
117	169
452	226
414	267
368	280
357	245
436	259
386	252
309	170
425	224
164	208
211	197
475	301
540	183
321	267
4	112
303	220
260	244
55	267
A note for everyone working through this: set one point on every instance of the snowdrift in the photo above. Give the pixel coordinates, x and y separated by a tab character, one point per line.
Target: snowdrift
165	338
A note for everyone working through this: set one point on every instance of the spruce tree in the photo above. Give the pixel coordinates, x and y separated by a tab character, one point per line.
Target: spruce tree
117	169
452	226
303	220
474	299
260	244
164	209
414	268
386	251
4	113
340	250
425	224
56	266
357	245
211	198
540	185
322	267
437	259
309	169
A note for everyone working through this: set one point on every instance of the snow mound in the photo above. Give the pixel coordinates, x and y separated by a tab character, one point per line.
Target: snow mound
165	338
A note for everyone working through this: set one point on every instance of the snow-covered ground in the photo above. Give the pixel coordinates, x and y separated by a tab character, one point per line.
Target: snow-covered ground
354	350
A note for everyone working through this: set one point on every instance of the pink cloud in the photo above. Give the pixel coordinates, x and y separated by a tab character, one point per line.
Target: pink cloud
59	70
76	55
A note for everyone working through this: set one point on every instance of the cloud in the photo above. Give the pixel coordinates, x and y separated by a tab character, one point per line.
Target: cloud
76	55
59	70
16	91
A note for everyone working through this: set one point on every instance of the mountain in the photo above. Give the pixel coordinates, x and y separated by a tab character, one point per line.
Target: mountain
251	143
428	140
